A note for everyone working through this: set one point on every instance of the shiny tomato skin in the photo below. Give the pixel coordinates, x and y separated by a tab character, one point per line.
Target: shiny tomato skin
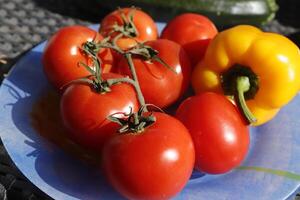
193	31
84	112
62	55
219	132
155	164
160	85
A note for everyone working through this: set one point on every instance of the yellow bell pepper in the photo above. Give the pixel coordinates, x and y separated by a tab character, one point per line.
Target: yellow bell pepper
261	70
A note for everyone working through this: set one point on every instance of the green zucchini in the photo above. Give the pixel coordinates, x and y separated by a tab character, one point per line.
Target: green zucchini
223	13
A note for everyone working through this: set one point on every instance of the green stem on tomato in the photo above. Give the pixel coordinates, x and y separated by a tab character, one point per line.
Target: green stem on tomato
113	47
128	57
242	86
128	28
135	122
130	81
115	39
90	47
98	64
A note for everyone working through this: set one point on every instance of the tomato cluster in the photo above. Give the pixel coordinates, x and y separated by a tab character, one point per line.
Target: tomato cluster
110	79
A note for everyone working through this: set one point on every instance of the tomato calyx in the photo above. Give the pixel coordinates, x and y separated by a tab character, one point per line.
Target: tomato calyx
149	54
134	122
94	79
145	51
127	28
91	48
142	50
103	86
241	83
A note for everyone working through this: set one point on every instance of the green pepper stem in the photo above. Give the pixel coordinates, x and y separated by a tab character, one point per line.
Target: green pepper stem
135	79
242	86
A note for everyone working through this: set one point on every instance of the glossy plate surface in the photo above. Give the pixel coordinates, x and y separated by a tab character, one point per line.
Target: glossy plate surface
271	168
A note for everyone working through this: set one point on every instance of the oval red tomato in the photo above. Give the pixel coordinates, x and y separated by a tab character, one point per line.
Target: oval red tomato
62	55
193	31
160	85
155	164
220	135
84	112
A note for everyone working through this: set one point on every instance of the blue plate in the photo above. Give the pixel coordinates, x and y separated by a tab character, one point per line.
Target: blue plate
270	170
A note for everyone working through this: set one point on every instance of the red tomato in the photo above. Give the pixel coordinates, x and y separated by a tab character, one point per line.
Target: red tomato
144	24
62	55
155	164
160	85
84	112
220	135
193	31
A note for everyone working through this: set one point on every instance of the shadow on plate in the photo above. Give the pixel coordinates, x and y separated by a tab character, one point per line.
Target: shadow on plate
71	176
24	76
54	167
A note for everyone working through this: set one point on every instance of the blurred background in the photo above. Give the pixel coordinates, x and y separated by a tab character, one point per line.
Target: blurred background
25	23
